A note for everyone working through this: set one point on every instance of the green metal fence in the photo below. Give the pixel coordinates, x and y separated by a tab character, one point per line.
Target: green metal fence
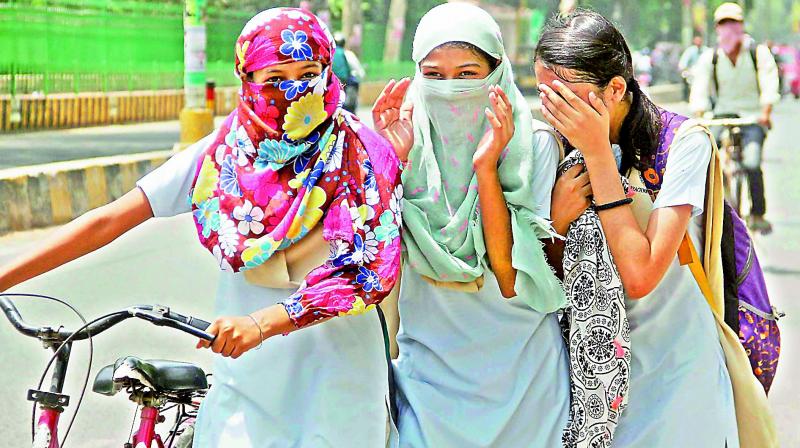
105	45
52	46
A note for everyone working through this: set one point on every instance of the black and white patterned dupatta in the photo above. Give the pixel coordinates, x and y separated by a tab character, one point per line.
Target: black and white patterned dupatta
596	330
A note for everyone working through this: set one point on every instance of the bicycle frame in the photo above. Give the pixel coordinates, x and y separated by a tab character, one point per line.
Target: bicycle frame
52	404
46	435
146	434
47	429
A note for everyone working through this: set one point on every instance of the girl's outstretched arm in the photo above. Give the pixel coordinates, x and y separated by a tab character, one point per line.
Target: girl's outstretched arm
83	235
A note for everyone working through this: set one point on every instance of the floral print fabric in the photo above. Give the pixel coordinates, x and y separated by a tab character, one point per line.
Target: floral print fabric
596	330
289	159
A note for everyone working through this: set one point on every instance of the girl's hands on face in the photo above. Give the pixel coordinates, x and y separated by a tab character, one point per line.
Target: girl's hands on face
234	336
501	118
570	199
392	117
584	125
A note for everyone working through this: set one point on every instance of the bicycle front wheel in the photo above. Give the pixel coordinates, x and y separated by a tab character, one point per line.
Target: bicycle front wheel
738	191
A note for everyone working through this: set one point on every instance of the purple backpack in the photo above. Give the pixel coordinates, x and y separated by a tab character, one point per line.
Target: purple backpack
747	308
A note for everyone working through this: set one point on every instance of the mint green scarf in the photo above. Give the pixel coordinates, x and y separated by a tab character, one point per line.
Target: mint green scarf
443	234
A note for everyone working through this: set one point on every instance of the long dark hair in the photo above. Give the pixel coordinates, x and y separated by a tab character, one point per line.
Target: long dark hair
585	47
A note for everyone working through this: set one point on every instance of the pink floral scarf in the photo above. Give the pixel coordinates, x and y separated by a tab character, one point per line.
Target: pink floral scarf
289	159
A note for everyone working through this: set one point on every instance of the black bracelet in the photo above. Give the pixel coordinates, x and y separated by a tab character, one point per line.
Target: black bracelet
614	204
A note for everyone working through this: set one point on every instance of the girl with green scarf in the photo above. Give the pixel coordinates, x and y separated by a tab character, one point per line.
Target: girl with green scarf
482	362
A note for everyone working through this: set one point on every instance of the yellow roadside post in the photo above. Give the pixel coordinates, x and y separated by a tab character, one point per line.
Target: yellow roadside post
196	119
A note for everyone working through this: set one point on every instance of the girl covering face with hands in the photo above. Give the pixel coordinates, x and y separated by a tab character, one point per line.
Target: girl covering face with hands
680	391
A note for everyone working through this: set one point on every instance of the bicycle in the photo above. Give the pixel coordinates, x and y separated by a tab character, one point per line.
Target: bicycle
732	155
154	385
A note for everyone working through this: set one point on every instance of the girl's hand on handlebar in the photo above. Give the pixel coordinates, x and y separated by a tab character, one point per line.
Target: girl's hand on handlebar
238	334
234	336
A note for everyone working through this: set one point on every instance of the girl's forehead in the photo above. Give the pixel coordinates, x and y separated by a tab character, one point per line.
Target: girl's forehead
564	75
551	74
451	54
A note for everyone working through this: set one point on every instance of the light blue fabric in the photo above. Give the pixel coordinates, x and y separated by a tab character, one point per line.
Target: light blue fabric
476	370
322	386
680	393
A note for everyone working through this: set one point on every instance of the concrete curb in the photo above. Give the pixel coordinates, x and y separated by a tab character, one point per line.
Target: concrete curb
56	193
61	111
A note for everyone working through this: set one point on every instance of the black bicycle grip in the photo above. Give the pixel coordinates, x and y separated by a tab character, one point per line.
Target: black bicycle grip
191	329
200	324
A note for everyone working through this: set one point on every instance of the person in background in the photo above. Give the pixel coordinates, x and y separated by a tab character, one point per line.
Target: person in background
687	62
643	67
348	68
743	77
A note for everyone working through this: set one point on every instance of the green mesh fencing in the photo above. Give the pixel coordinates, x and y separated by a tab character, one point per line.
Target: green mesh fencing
105	45
52	46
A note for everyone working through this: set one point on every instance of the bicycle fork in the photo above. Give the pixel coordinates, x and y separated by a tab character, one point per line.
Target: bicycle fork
47	429
52	403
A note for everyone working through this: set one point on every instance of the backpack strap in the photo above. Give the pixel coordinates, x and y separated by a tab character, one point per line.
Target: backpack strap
754	57
714	61
673	127
653	177
687	254
542	126
709	273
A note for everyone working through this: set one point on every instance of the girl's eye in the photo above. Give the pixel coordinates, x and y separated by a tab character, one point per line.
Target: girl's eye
467	74
308	76
273	79
432	75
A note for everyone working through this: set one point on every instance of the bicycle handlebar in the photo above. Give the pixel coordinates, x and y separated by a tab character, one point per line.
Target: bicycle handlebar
728	122
155	314
15	318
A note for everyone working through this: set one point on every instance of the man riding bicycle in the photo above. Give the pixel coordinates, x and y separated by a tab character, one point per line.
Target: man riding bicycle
743	77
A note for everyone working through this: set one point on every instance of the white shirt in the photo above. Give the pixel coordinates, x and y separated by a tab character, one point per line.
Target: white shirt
737	87
680	393
356	69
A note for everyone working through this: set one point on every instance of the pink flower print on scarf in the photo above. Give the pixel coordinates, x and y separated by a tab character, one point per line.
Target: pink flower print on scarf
264	185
